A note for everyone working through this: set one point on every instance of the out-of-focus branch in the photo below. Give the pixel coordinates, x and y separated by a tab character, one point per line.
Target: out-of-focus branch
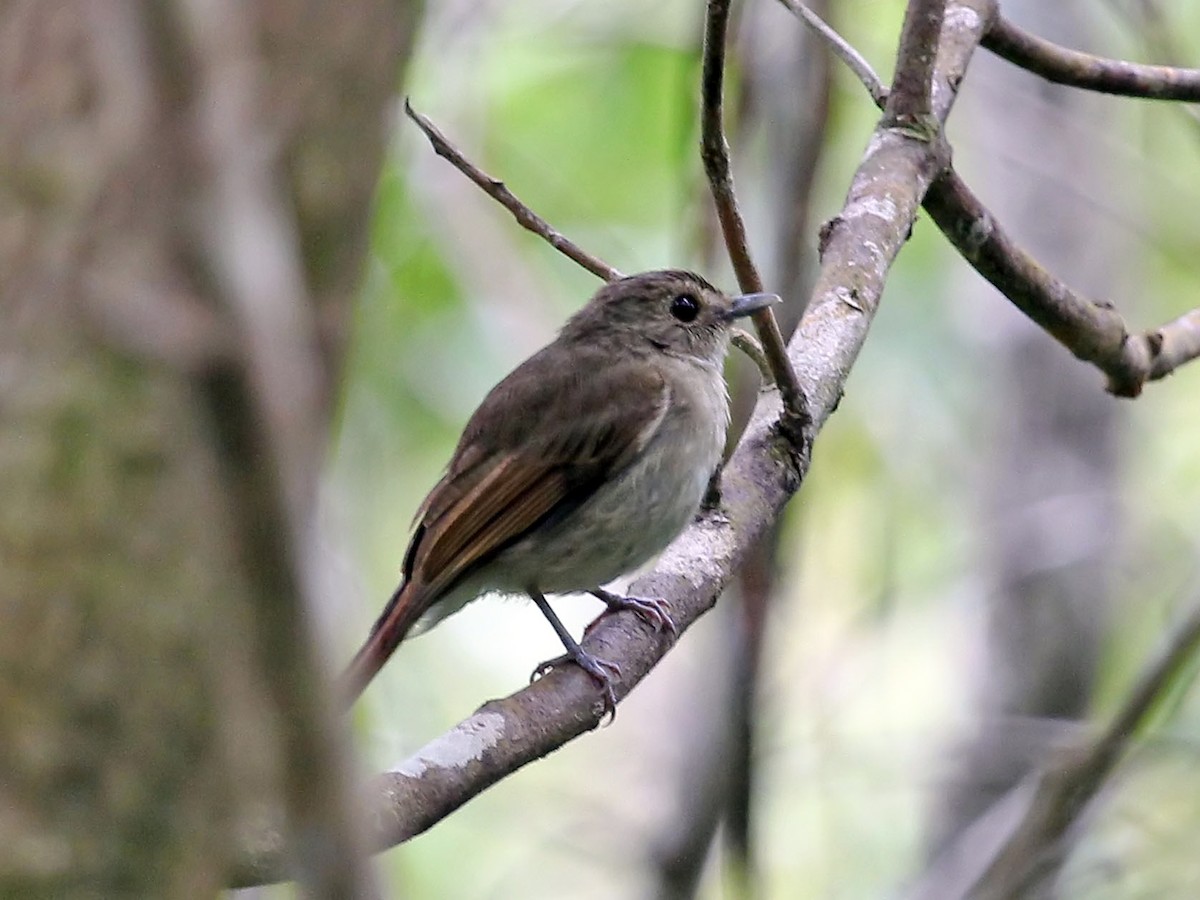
1093	73
1045	806
1093	331
764	472
1067	786
714	151
498	191
271	415
909	102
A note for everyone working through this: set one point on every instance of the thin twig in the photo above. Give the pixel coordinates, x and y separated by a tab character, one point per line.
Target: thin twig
745	342
1083	70
714	150
841	48
1093	331
1065	788
910	100
499	192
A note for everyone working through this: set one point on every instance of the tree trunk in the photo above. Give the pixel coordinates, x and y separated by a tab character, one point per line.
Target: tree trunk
160	165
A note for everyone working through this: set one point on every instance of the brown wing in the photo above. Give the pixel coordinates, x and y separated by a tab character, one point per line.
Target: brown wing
541	443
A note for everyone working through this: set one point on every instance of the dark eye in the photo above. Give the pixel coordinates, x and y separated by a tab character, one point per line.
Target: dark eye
685	307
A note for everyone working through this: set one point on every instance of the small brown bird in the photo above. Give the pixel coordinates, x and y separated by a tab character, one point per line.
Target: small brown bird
577	468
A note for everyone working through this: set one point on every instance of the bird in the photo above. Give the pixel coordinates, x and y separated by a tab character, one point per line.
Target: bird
579	467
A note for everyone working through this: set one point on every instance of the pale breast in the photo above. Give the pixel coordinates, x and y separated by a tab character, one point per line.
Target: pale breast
634	517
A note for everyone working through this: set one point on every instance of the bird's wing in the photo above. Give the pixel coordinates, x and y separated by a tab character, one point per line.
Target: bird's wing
571	431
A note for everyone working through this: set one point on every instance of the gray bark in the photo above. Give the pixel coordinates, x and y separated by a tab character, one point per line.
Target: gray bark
141	723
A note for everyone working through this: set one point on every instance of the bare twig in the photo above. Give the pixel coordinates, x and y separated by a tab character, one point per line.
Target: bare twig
745	342
715	153
1063	791
1083	70
1093	331
498	191
841	48
910	102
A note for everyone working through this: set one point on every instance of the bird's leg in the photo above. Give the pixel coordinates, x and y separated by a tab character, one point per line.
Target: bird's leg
601	670
655	613
712	493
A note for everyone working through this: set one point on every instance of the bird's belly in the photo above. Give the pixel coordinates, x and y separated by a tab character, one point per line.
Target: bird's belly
626	522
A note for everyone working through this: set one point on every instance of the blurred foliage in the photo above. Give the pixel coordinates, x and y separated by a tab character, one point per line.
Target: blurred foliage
587	112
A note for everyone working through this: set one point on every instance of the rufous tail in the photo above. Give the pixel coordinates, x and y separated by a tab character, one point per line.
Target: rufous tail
397	619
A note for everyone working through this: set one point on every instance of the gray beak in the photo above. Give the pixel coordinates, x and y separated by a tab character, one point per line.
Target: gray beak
749	303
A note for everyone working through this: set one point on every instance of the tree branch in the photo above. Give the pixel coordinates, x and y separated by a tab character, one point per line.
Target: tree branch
1093	331
1158	40
764	472
1065	789
498	191
1094	73
841	48
714	151
909	102
270	414
1034	817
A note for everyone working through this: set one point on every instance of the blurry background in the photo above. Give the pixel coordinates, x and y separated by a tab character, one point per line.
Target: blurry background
987	543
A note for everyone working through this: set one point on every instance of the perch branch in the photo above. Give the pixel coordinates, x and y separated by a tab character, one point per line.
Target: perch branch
498	191
714	151
1094	73
764	472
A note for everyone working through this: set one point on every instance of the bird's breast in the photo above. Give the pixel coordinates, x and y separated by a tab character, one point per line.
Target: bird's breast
640	510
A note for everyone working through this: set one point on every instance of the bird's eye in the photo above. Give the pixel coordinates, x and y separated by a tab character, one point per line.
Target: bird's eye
685	307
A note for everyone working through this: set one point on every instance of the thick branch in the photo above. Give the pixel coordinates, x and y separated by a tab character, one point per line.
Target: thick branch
909	101
1093	73
1093	331
497	190
714	150
766	469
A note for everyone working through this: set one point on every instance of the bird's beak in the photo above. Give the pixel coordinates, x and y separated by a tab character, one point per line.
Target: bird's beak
749	303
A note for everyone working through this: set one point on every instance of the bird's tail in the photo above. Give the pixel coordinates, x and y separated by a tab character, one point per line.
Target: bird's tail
403	610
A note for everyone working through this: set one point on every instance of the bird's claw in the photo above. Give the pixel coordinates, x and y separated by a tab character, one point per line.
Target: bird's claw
601	670
655	613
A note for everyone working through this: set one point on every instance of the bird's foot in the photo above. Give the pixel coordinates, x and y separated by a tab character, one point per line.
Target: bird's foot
601	670
655	613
